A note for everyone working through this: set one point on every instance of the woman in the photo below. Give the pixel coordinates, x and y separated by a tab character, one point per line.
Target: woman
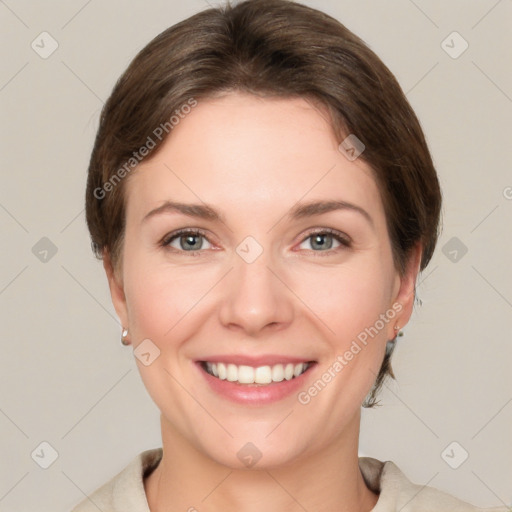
263	199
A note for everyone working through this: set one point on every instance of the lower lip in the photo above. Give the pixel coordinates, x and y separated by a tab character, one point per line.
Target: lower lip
256	394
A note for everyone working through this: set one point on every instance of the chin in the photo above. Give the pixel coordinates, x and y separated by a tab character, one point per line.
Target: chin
254	456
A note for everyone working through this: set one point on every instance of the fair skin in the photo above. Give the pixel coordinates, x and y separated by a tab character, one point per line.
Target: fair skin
252	160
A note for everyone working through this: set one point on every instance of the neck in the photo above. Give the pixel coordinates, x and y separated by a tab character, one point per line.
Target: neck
329	479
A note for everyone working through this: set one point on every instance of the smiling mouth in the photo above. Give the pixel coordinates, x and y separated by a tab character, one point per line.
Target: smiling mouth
263	375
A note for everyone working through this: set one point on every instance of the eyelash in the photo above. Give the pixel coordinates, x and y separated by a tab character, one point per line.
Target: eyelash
338	236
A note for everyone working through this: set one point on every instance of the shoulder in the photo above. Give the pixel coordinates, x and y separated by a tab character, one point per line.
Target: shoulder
125	491
397	492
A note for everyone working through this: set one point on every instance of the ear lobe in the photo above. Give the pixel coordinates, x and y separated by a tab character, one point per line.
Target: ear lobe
406	291
116	290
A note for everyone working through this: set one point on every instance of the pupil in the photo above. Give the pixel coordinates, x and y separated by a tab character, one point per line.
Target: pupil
190	240
320	243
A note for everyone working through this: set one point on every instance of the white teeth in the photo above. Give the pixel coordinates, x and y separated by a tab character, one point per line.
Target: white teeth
261	375
221	369
278	373
245	374
232	373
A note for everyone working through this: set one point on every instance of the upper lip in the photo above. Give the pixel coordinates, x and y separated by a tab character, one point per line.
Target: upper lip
255	361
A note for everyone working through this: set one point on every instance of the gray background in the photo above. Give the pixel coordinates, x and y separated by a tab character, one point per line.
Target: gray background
64	376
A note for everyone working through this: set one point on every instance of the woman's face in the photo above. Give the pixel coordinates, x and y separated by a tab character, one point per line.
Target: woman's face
278	275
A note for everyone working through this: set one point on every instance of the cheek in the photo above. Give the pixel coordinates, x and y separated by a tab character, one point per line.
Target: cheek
351	308
163	304
347	299
160	297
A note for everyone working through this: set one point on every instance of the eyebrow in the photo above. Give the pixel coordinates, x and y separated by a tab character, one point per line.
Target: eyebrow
299	211
200	211
319	207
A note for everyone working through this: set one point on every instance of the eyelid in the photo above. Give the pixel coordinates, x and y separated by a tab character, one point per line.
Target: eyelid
184	231
344	240
330	231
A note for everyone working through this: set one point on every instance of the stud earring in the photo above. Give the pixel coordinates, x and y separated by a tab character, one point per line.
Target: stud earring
398	331
124	334
390	345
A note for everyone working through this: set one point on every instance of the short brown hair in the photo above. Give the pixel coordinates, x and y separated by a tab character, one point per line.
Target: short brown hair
275	48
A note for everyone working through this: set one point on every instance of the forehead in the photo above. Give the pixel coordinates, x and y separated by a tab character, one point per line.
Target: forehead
251	153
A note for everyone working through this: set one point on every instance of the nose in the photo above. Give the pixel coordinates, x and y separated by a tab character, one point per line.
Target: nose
255	297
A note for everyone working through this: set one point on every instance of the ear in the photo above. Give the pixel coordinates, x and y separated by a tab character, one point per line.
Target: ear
115	284
404	292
